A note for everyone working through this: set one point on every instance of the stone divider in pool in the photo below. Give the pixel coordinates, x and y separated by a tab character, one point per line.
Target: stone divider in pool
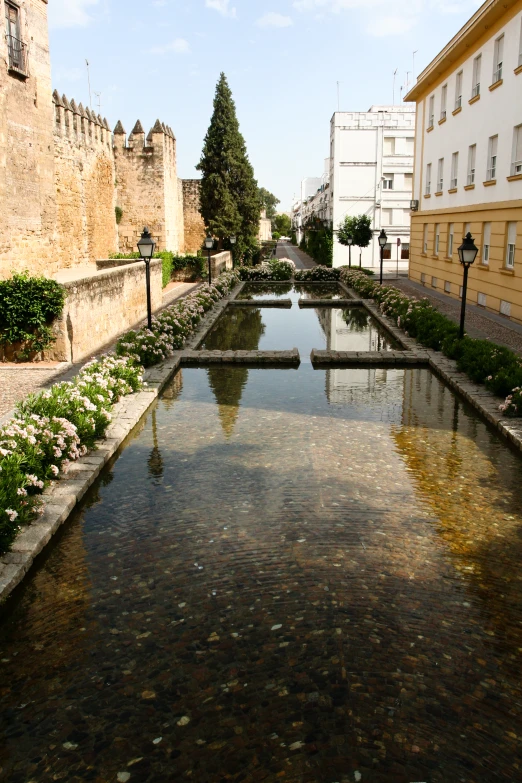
333	303
191	358
261	303
367	358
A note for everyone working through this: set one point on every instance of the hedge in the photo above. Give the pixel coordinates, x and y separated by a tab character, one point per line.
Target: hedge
28	306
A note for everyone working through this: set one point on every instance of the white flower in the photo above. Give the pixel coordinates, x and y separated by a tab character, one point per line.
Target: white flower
11	514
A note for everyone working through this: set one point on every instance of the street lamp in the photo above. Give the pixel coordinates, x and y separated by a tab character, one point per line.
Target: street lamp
146	247
349	242
467	255
209	244
383	241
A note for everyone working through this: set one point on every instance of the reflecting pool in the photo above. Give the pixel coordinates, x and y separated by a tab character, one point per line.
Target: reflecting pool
293	291
270	329
286	575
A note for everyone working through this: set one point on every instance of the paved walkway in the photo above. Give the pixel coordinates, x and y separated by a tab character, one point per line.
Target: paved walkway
301	260
19	380
480	323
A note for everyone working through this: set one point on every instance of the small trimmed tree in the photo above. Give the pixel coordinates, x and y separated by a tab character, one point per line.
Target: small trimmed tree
230	202
359	227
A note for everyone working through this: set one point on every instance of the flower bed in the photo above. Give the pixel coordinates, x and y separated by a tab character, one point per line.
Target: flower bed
499	369
277	269
174	325
50	430
318	274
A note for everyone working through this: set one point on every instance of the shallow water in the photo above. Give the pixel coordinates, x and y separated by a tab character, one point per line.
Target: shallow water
286	575
272	329
293	291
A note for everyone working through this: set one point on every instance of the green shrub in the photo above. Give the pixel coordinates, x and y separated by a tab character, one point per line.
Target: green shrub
28	306
118	212
317	274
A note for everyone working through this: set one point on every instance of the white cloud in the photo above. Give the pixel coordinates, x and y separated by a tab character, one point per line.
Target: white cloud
178	46
274	20
70	13
222	7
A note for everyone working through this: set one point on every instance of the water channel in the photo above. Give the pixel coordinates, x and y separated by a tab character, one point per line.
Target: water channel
290	575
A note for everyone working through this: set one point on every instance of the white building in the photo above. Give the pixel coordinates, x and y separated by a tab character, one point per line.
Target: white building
314	201
371	173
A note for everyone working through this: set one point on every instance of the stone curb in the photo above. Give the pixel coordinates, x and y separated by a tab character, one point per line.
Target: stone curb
261	303
330	303
366	358
194	358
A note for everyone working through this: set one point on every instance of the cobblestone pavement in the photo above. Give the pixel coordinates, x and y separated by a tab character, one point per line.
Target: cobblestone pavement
478	324
301	260
16	382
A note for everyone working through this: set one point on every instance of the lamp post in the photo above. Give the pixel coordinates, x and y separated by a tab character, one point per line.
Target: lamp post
349	242
383	241
146	247
209	244
467	255
233	240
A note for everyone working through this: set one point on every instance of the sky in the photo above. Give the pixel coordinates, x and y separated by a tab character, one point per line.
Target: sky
283	59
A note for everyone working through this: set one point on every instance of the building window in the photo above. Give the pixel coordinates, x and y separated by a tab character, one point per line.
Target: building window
389	145
437	238
498	57
387	182
454	169
481	300
428	179
451	234
386	253
425	239
431	113
434	282
405	251
505	308
520	46
410	146
443	99
492	158
472	154
476	76
387	217
15	46
516	165
440	175
486	243
511	242
447	286
458	91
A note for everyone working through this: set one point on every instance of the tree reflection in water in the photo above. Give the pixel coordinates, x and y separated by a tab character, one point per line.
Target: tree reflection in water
155	460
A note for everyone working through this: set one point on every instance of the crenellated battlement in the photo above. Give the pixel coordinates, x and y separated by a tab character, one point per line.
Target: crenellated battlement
79	124
159	140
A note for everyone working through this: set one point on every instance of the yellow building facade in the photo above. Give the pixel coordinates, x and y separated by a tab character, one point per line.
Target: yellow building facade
468	161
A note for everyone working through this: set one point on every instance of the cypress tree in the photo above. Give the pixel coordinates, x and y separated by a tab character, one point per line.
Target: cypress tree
230	202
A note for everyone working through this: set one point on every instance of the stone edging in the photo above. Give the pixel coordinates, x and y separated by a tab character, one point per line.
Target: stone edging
333	303
261	303
366	358
191	358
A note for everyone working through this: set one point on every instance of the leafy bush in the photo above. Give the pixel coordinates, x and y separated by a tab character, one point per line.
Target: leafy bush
317	274
118	212
28	306
278	269
50	430
498	368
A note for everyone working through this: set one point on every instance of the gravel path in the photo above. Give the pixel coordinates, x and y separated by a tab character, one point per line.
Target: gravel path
479	323
301	260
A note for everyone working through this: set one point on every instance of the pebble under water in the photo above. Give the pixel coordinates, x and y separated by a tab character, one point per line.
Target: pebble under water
285	575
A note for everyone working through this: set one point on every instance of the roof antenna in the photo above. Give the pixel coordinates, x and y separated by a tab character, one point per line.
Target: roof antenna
89	83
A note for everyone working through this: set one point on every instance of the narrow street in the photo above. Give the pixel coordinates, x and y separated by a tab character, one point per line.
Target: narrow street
301	260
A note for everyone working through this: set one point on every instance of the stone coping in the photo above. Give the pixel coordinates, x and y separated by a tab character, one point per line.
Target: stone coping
61	497
333	303
191	358
366	358
284	303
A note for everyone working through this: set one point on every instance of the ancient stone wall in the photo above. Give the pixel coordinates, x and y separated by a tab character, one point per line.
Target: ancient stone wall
84	185
147	187
101	306
193	222
27	204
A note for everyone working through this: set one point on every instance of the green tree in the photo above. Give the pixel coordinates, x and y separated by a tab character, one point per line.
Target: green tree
359	227
282	224
268	202
230	202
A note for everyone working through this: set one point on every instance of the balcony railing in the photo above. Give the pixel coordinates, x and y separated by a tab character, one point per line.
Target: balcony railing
458	102
17	54
440	185
497	75
443	114
471	177
476	90
516	168
454	182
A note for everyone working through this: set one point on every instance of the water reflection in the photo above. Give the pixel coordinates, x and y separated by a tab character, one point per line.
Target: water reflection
155	461
329	591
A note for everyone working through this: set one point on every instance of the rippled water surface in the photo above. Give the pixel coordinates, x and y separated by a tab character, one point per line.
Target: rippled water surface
286	575
251	328
293	291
